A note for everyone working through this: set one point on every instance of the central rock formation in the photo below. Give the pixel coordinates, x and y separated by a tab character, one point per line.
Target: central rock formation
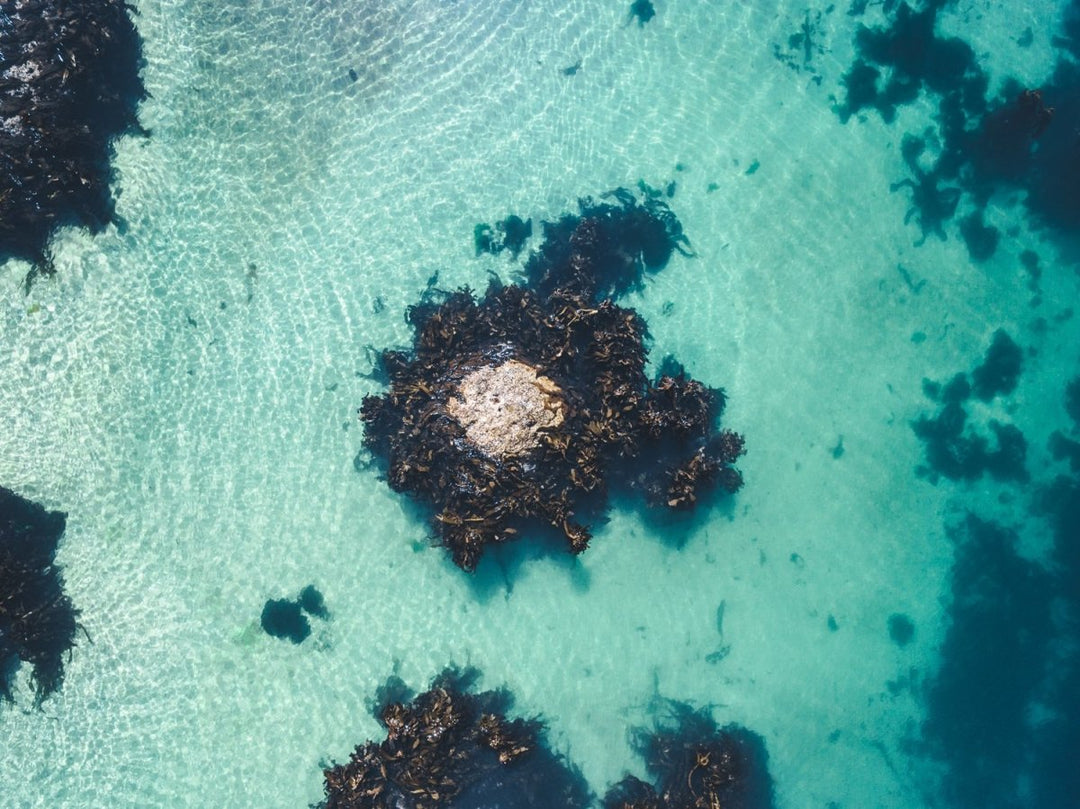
527	405
505	408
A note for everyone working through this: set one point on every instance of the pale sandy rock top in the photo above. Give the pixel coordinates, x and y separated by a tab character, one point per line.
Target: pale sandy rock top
503	408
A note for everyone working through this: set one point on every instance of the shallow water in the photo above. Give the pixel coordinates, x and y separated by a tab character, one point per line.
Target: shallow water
185	389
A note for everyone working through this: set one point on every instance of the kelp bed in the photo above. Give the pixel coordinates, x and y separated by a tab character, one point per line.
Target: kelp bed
592	419
449	747
37	619
69	84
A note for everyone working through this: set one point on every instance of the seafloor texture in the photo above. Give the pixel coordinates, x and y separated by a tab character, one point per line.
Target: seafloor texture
874	193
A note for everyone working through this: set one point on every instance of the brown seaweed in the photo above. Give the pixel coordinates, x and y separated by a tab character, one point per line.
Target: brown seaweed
37	619
69	84
524	405
451	747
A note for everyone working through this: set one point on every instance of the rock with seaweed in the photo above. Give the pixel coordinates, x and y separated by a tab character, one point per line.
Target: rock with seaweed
37	619
69	84
523	406
452	747
696	765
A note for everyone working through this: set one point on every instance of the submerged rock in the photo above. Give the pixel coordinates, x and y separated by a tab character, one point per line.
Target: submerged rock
505	408
37	619
527	405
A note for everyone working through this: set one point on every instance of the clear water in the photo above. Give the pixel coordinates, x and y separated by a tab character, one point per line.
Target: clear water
186	391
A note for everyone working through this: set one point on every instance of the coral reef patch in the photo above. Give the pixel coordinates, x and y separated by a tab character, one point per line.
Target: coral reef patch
37	619
69	84
526	405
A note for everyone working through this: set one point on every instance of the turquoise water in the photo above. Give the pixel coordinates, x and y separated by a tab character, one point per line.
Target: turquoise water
185	388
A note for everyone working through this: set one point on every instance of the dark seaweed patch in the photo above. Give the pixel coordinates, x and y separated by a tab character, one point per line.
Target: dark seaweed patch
587	417
1065	449
960	455
804	44
642	11
312	602
981	239
932	204
696	765
509	234
69	85
449	747
1072	400
957	452
979	702
1055	779
620	239
1003	710
284	618
1000	370
898	62
901	629
37	619
1025	138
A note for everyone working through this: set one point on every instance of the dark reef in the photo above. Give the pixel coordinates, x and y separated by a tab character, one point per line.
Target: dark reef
697	765
959	453
37	620
449	747
282	618
69	85
525	406
1025	138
